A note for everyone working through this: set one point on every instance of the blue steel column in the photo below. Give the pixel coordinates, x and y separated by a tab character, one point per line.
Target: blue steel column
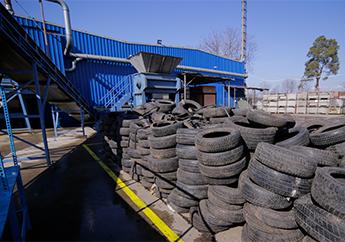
27	121
40	104
4	182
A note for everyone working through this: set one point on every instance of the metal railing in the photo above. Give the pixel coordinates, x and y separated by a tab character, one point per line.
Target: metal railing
118	95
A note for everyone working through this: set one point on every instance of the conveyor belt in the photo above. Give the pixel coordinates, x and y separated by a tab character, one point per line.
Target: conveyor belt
18	52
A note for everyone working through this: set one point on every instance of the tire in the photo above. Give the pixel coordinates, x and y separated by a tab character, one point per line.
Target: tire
163	165
162	142
215	112
124	144
181	201
144	143
198	222
221	158
186	136
163	153
220	120
328	190
217	139
126	122
261	197
285	160
240	112
226	194
272	218
187	152
189	178
215	201
164	106
266	119
229	216
124	131
339	149
328	136
230	170
278	182
165	128
342	163
321	157
143	134
143	151
176	208
133	153
260	232
195	191
165	184
167	175
147	173
190	104
317	222
253	136
300	137
220	181
146	183
209	217
189	165
308	239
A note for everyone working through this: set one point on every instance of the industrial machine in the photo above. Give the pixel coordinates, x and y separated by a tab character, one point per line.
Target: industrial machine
155	78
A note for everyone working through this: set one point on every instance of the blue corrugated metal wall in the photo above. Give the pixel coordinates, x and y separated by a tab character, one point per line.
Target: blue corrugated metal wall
95	78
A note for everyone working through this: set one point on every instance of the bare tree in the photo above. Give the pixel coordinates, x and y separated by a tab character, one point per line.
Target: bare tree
228	43
289	86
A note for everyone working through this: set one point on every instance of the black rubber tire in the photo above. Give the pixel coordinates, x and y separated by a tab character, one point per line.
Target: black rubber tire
143	151
217	139
126	163
328	136
216	201
198	221
163	153
209	217
227	194
321	157
266	119
181	201
234	216
278	182
240	112
195	191
167	175
342	163
308	239
124	131
147	173
165	184
300	137
253	136
261	197
126	169
221	158
220	181
162	142
219	120
317	222
189	178
285	160
189	165
272	218
230	170
328	190
143	144
186	136
176	208
260	232
144	133
187	152
215	112
124	144
339	149
126	122
133	153
163	165
164	105
146	183
165	128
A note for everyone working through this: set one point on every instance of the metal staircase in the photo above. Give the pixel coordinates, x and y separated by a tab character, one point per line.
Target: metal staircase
120	94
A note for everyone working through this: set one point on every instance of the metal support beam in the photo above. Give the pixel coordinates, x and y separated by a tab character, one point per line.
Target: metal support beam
82	117
41	106
22	104
235	102
229	96
185	87
55	117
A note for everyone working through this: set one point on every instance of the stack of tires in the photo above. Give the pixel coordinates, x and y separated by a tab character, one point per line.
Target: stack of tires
124	144
162	160
275	177
190	186
135	153
322	213
221	155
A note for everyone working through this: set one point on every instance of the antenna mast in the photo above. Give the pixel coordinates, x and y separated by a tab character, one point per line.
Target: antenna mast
244	31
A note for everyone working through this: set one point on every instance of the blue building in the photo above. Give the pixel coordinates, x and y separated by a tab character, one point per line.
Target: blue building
104	64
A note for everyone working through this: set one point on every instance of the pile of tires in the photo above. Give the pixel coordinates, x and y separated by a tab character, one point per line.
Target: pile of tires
138	148
190	185
322	213
221	155
162	160
126	163
275	177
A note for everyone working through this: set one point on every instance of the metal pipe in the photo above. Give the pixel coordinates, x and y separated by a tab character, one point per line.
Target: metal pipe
8	6
68	28
44	29
124	60
74	64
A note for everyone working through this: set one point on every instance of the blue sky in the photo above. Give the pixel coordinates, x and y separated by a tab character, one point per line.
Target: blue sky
283	30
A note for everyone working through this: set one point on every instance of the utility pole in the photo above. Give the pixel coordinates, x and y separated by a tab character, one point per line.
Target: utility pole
244	31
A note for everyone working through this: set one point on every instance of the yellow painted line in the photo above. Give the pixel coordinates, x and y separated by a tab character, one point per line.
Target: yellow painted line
151	215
